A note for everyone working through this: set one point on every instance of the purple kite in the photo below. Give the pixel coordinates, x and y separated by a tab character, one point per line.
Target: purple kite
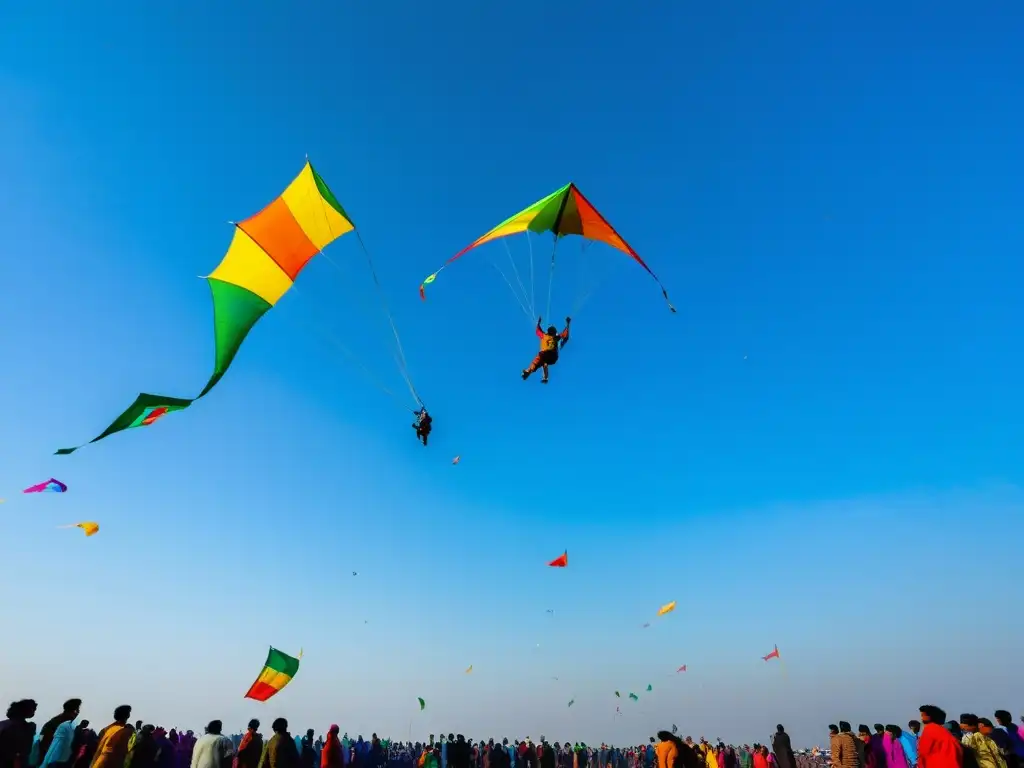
53	485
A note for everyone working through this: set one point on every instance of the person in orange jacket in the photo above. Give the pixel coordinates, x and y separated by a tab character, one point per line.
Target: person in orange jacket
550	342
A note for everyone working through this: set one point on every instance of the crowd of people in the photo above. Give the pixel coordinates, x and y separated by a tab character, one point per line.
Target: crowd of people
64	741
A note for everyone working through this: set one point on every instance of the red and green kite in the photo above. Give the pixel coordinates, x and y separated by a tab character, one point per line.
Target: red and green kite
565	212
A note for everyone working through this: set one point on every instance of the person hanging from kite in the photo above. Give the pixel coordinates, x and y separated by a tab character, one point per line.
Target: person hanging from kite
550	342
423	425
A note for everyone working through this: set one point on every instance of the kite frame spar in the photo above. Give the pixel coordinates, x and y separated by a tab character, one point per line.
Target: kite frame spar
564	212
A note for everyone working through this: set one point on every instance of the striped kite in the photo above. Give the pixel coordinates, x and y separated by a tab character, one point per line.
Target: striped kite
267	252
278	671
564	212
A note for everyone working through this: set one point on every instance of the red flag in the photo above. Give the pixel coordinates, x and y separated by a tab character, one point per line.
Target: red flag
773	655
562	561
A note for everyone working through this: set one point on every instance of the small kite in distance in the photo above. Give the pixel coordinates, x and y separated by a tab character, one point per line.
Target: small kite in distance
571	702
618	695
675	728
634	697
650	687
667	608
354	573
469	669
89	528
423	704
773	655
50	486
456	460
562	561
681	669
646	625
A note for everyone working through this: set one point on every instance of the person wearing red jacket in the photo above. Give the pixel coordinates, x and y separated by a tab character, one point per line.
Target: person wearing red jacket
937	747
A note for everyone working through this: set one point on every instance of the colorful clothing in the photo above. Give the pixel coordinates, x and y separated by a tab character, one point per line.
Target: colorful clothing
985	750
895	757
909	743
59	750
938	748
112	749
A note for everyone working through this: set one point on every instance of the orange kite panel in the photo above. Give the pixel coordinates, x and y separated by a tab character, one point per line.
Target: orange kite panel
596	228
275	230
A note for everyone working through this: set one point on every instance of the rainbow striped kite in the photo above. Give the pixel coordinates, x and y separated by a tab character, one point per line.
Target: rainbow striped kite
564	212
53	485
278	671
266	254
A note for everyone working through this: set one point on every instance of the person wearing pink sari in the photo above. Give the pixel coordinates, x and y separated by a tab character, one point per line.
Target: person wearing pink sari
894	754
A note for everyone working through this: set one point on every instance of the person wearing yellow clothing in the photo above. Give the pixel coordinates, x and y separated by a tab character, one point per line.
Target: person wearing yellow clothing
550	342
112	747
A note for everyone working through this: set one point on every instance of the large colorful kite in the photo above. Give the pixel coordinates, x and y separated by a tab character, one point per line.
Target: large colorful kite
565	212
278	671
266	254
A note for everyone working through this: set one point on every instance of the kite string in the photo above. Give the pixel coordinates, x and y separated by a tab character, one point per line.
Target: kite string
551	277
533	294
522	306
404	365
515	270
321	327
590	280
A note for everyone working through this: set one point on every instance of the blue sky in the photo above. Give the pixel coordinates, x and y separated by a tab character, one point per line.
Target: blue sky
821	450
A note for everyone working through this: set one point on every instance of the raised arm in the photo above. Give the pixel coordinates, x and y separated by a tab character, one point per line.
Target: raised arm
539	331
565	331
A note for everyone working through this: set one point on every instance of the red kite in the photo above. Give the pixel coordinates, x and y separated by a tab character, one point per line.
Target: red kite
562	561
773	655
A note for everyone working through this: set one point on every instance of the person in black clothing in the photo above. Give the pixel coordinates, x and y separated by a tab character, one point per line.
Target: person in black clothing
308	756
547	756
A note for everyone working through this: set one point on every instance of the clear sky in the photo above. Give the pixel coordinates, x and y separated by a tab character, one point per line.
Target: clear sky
821	450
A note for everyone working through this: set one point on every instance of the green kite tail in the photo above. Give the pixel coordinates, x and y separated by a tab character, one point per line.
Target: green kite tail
235	312
146	410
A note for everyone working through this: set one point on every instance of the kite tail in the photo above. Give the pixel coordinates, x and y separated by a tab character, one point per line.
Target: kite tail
665	294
